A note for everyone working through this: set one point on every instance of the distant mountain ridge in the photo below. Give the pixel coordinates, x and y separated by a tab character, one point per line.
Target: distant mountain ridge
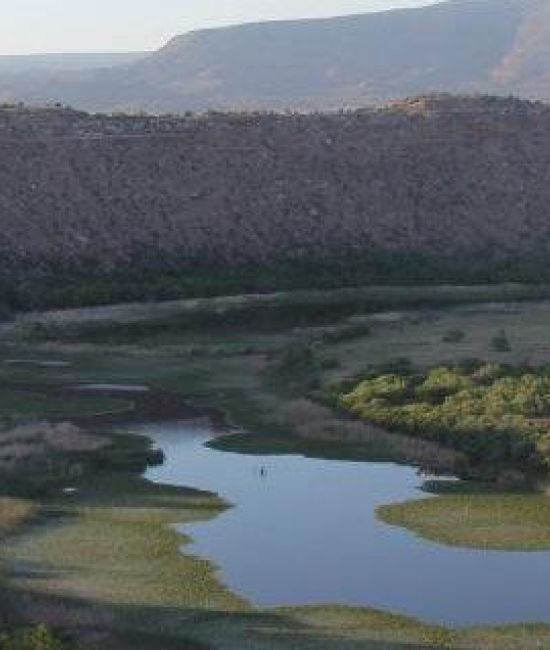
494	46
52	63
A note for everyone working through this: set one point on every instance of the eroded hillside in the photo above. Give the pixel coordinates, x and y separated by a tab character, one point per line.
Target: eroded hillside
449	179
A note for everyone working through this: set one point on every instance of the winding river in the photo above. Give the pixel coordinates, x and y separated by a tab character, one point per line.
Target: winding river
304	531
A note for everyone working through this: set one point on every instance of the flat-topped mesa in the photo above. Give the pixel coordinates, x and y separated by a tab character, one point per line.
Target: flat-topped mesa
22	121
459	181
50	121
442	104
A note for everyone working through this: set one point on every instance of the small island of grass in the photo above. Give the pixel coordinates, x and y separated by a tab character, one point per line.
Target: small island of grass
507	522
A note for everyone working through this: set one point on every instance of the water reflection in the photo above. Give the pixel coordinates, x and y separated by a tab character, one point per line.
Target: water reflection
304	531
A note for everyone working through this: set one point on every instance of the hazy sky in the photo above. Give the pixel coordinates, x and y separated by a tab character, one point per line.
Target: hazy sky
115	25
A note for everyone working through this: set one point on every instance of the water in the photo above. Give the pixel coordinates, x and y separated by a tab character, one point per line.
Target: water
304	531
37	362
121	388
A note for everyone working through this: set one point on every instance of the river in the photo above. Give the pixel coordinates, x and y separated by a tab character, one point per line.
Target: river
304	531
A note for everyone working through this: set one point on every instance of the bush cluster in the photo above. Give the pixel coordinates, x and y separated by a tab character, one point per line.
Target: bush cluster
36	638
493	413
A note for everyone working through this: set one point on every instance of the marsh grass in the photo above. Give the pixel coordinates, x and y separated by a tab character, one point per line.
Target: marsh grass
35	405
312	430
259	312
374	625
114	544
330	627
13	513
34	638
511	522
117	544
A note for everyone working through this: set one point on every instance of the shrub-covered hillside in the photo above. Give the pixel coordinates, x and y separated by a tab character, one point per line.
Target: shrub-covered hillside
434	188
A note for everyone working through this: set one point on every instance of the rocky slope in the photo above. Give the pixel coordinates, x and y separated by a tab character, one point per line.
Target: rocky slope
446	177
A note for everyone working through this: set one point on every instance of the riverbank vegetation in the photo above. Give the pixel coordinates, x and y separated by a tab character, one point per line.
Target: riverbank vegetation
509	522
35	638
497	415
119	539
27	405
13	513
105	557
255	313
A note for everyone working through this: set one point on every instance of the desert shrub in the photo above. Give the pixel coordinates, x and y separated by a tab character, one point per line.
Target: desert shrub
13	513
295	368
397	366
453	336
345	333
329	363
36	638
500	342
300	412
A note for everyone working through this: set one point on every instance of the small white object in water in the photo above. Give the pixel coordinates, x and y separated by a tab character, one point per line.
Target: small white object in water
69	490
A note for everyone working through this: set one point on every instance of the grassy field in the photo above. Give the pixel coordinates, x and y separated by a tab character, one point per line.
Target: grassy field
14	515
111	545
420	337
257	312
511	522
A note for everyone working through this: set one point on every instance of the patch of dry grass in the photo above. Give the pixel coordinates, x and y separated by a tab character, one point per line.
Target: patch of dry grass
311	421
26	443
13	513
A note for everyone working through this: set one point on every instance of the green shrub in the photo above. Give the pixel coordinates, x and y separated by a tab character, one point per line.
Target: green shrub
453	336
492	413
37	638
441	382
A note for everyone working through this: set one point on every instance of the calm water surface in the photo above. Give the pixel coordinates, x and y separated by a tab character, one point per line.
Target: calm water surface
304	531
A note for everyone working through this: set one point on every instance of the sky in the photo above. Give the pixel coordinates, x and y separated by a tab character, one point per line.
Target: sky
38	26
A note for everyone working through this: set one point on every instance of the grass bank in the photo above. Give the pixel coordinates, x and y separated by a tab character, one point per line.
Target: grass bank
13	513
119	324
30	405
507	522
115	542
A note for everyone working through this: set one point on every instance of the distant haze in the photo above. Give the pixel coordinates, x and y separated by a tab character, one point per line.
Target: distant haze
53	26
460	46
